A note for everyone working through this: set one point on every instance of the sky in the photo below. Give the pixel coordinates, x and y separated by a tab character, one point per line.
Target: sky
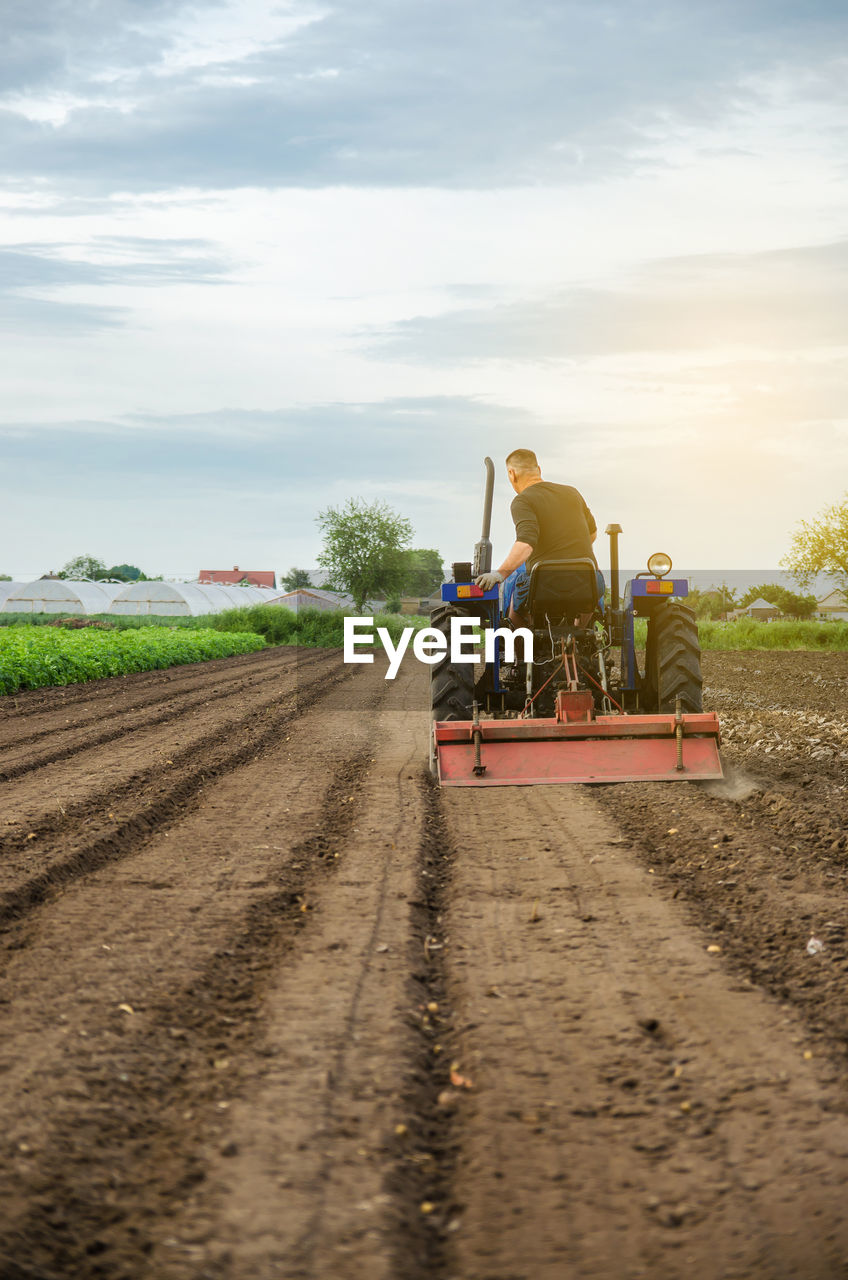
257	258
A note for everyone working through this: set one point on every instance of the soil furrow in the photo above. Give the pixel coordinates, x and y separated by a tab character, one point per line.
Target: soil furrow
421	1180
75	738
55	700
761	860
761	885
80	1230
197	767
321	1021
319	1122
79	790
143	1100
639	1112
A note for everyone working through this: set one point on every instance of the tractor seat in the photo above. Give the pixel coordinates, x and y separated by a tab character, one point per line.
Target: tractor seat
562	591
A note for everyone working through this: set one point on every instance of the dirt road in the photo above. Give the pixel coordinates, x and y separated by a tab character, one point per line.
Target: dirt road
273	1007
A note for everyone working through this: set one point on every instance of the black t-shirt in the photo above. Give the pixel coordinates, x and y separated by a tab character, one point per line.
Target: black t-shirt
555	521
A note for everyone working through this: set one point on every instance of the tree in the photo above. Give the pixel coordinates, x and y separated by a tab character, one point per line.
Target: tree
425	571
363	548
712	603
5	577
124	572
704	604
295	578
788	602
83	567
821	546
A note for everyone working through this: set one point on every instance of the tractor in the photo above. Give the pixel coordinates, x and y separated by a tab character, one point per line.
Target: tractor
563	699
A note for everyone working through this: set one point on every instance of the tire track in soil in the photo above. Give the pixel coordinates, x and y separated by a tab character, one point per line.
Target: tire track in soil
305	1247
308	1194
132	719
758	896
761	861
203	762
152	1120
423	1173
636	1112
307	1117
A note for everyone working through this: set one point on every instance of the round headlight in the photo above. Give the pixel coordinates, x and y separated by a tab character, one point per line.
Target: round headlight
659	564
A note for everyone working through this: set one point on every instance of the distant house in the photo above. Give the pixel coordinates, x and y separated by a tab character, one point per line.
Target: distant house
313	598
420	606
833	606
320	598
760	609
237	577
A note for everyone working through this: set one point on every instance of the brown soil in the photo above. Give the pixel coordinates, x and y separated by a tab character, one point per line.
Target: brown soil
274	1007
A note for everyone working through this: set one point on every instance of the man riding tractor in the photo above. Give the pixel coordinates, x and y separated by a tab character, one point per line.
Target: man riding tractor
552	522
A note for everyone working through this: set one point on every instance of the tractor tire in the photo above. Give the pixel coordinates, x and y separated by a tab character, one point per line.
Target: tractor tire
672	661
451	686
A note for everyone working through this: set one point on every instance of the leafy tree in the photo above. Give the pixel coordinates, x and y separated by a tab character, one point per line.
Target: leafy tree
295	578
83	567
712	603
393	604
425	571
702	603
787	601
821	546
5	577
125	572
364	545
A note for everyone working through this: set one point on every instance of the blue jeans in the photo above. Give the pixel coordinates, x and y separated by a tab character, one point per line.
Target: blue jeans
516	588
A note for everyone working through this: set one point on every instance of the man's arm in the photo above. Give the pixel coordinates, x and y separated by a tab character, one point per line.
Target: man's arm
518	553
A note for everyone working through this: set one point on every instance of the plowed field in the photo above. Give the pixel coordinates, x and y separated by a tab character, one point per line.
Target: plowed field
273	1007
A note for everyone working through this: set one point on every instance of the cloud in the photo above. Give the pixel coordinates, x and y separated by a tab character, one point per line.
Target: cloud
169	492
179	488
32	273
404	444
790	299
388	92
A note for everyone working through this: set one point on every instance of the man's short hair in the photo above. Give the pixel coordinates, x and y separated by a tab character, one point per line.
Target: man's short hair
523	461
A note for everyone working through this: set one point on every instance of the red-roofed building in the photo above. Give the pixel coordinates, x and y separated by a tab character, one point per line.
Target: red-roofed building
237	577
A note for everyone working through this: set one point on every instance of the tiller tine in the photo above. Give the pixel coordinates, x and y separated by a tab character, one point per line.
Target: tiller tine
616	748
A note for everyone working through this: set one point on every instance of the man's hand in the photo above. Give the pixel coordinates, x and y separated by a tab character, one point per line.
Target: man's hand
488	580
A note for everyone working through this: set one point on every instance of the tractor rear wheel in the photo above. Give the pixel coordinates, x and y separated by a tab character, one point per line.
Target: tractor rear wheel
451	685
672	661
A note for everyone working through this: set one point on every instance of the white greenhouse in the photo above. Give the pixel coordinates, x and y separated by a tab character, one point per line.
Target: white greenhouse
186	599
60	595
316	598
160	599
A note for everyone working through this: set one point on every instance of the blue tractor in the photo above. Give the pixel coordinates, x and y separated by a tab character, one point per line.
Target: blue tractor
564	698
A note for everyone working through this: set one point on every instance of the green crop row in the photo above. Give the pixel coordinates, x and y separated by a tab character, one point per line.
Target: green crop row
319	628
32	657
315	628
114	621
747	633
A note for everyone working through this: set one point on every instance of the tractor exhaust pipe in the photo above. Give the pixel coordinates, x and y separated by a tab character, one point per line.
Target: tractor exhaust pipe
613	530
483	549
